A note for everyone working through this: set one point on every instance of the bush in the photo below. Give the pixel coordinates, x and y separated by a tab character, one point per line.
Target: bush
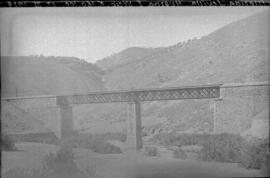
103	147
179	154
151	151
181	139
165	139
7	143
222	148
236	150
59	165
112	136
255	155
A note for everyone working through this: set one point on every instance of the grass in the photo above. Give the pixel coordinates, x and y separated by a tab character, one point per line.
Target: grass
59	165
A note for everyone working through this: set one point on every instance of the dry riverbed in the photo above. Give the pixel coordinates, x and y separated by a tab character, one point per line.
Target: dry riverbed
29	155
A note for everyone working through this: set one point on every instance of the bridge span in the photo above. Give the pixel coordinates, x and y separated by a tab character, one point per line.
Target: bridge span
221	95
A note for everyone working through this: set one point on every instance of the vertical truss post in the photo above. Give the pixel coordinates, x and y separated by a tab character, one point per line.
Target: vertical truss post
66	116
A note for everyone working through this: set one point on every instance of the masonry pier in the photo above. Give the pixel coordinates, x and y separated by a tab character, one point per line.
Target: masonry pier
66	117
134	126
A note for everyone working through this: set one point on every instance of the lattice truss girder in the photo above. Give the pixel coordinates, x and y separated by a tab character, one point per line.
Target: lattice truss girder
142	95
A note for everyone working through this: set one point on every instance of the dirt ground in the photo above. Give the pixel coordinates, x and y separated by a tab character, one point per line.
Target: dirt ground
29	155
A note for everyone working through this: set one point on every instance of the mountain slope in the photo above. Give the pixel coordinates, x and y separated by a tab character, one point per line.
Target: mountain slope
124	57
238	52
15	120
37	75
24	76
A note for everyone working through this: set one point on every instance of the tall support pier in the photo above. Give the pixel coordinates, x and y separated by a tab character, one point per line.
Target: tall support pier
66	117
134	127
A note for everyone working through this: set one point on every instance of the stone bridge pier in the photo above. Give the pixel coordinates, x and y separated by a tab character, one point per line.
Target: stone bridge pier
66	117
133	99
134	127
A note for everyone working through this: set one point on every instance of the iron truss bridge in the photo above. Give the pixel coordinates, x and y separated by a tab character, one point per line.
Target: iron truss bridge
196	92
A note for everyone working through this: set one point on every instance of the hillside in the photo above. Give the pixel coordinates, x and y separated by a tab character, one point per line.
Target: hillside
38	75
238	52
91	71
32	75
16	120
124	57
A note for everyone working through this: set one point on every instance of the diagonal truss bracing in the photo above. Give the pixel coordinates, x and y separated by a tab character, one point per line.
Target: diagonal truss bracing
198	92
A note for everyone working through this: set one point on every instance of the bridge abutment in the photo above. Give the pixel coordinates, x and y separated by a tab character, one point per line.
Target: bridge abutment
242	109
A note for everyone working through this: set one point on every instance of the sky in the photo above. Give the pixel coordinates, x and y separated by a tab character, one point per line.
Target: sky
97	32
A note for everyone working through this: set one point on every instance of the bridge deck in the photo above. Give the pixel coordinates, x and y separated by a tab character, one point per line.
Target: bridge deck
174	93
191	92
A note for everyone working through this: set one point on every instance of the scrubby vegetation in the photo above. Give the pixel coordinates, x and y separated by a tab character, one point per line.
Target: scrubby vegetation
111	136
180	139
49	138
235	149
97	143
222	148
151	151
179	154
59	165
7	143
256	155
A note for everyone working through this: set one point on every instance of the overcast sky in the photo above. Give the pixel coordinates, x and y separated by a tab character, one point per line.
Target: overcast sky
94	33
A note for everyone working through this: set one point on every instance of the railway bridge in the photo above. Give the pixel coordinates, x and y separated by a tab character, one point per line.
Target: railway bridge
221	96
